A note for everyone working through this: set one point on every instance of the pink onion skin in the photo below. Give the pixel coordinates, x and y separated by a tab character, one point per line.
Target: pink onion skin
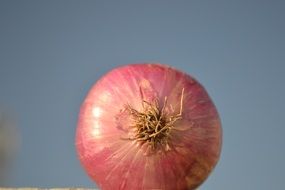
116	163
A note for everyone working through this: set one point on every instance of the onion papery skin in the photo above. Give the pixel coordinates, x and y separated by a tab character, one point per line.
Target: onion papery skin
114	162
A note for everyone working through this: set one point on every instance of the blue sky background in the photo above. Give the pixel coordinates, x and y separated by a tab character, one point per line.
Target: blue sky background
51	52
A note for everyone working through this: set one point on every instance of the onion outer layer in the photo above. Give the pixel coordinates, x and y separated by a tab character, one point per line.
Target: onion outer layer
105	136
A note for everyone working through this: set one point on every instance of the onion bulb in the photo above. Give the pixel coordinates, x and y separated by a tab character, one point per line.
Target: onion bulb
148	126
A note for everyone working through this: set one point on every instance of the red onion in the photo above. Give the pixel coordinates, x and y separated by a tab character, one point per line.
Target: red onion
148	126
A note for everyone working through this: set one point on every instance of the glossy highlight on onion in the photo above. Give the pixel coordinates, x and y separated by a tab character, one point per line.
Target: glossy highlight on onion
148	126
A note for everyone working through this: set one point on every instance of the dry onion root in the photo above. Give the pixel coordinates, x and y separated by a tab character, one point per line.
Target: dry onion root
152	125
